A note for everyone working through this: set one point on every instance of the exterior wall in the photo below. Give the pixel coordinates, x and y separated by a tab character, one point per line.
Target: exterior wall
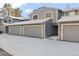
42	11
2	28
7	20
72	13
59	31
11	20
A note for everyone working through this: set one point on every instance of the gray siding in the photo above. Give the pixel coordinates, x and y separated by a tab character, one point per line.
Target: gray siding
49	29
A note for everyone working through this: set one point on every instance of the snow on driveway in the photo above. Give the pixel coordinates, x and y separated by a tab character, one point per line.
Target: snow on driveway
26	46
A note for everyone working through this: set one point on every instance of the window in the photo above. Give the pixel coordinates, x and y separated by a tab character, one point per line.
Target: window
35	17
66	14
76	12
48	15
9	20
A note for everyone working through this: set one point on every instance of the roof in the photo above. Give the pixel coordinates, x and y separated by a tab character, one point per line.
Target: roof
15	17
5	23
25	18
71	9
47	8
69	19
40	8
29	22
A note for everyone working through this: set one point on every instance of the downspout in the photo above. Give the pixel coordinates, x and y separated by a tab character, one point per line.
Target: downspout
44	31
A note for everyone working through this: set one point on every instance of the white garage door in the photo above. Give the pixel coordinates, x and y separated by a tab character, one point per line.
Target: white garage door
15	30
33	31
71	33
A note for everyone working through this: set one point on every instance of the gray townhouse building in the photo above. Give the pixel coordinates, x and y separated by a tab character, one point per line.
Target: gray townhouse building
46	22
42	23
68	26
46	12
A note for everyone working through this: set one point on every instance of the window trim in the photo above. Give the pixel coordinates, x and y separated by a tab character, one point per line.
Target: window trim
34	15
66	13
9	20
48	12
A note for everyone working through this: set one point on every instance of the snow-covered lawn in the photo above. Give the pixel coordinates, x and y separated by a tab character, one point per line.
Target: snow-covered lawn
27	46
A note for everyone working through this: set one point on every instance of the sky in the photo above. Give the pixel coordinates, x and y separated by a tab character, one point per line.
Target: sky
27	8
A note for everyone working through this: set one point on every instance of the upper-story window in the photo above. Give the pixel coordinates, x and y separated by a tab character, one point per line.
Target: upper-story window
66	14
35	17
76	12
48	15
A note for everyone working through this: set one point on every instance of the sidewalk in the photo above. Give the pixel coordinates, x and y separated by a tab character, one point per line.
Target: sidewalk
26	46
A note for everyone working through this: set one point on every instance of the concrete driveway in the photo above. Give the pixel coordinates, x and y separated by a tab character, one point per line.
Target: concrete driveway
26	46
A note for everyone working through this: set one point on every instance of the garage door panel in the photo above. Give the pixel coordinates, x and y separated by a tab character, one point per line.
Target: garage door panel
15	30
26	30
34	31
71	33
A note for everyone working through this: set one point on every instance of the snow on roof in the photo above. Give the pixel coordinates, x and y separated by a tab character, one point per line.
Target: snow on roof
69	19
30	22
15	17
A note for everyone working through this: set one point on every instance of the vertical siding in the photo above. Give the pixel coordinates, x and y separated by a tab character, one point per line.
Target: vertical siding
48	29
55	16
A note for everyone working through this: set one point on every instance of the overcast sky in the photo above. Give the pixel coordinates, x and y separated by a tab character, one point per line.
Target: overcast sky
27	8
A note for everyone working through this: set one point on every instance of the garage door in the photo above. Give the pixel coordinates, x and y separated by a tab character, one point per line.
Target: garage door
71	33
32	31
15	30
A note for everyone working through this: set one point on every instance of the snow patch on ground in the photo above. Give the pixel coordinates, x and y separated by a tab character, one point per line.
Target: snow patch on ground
53	37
